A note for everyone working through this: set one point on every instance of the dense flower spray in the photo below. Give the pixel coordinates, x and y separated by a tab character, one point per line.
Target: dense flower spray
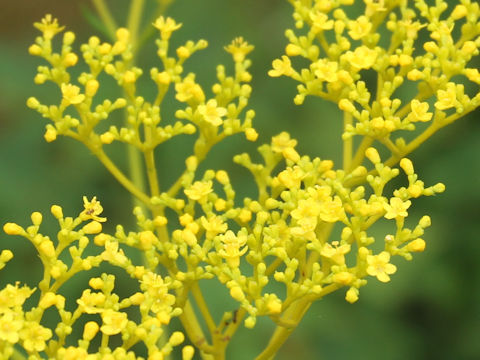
199	228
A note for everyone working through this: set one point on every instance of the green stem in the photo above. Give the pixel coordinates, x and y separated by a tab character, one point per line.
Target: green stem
16	355
202	305
134	20
347	143
193	329
106	16
293	315
135	170
120	176
360	153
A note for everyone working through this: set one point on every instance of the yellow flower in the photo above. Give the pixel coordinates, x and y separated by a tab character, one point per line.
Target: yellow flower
332	210
446	98
34	336
335	253
166	26
214	225
113	254
113	322
13	296
199	190
73	353
212	113
71	94
320	22
10	324
359	28
281	67
291	177
397	208
232	247
239	48
93	208
361	58
326	70
379	266
284	145
91	303
189	90
49	26
420	111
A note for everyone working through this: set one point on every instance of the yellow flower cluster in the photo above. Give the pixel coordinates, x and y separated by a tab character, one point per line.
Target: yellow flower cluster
22	326
340	70
199	228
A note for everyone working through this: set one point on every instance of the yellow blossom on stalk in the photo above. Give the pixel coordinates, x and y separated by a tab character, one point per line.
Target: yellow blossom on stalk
199	190
291	177
10	325
320	22
359	27
397	208
446	98
286	146
214	225
34	336
233	247
281	67
335	253
239	48
420	111
332	210
93	208
113	322
326	70
361	58
379	266
13	296
189	90
212	113
49	26
166	26
71	94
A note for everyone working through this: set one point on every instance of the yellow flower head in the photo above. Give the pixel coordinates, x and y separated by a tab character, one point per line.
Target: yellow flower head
166	26
320	22
359	28
332	210
214	225
10	324
189	90
212	113
113	322
335	253
281	67
71	94
199	190
232	247
34	336
446	98
326	70
93	208
361	58
13	296
239	48
397	208
284	145
379	266
420	111
49	27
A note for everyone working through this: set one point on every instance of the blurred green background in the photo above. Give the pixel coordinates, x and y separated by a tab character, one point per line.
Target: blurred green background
430	310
